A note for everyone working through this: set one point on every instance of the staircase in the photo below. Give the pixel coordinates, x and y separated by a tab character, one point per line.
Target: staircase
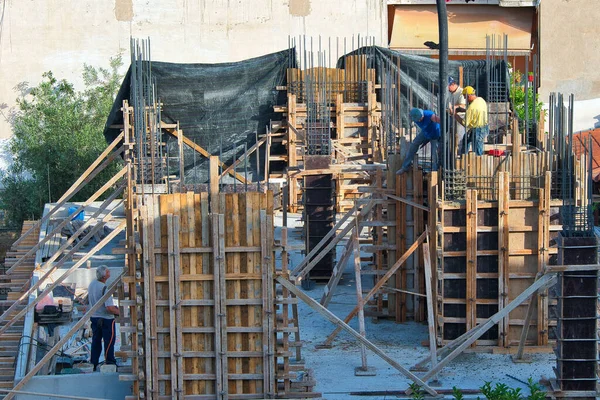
14	285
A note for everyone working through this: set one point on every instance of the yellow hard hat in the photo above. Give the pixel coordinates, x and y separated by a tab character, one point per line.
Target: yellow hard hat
468	90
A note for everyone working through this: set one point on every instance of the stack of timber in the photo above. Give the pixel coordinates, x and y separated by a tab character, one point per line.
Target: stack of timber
354	114
14	285
208	320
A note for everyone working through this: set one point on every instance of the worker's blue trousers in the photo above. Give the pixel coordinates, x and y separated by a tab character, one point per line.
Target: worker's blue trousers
103	331
420	140
476	135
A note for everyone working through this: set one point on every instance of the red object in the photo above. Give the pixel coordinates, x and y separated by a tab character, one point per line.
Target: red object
530	78
496	152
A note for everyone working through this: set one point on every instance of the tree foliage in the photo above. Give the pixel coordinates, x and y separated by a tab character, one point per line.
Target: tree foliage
57	134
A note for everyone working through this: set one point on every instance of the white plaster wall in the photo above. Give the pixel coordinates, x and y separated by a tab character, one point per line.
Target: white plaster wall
569	44
62	35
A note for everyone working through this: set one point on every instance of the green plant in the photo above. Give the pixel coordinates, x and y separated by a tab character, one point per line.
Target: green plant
457	394
417	392
518	96
536	392
57	134
500	392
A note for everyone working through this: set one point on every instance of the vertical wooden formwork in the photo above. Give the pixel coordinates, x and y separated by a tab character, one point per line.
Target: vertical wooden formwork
490	252
209	298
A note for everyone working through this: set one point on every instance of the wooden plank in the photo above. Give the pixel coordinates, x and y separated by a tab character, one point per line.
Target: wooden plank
268	311
543	245
87	175
406	201
248	152
546	280
56	230
336	274
379	284
342	325
218	232
339	236
359	299
202	151
401	242
504	251
65	338
49	265
150	282
177	306
471	266
147	300
420	307
172	318
64	276
430	303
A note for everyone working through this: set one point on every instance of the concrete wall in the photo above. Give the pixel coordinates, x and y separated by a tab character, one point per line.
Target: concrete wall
570	39
61	36
98	386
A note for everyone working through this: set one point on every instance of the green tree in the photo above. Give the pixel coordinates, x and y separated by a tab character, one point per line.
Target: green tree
57	134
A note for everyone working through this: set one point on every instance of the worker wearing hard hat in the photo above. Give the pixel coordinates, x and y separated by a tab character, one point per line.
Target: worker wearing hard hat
456	107
429	124
476	121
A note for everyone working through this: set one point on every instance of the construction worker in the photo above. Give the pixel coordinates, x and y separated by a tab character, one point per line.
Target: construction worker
476	121
456	105
429	125
103	319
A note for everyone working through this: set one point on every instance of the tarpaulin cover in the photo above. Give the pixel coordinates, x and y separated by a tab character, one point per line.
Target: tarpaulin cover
419	76
221	107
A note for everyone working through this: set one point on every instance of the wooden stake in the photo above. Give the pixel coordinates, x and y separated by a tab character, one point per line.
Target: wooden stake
359	299
430	301
214	184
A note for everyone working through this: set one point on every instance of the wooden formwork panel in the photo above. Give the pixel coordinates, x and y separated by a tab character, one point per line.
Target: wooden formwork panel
490	252
210	306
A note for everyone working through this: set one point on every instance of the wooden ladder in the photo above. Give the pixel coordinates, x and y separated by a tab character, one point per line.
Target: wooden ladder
15	284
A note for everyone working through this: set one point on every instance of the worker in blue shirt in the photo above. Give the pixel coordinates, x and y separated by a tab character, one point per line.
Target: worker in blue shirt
429	124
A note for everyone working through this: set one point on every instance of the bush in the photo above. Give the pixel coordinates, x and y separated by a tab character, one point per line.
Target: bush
57	134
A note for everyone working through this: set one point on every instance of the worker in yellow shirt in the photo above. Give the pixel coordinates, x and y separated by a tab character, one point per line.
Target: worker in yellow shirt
475	122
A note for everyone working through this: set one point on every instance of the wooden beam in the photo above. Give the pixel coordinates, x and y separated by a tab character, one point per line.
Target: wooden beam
544	281
379	284
64	276
243	156
220	294
66	337
406	201
339	236
202	151
68	256
336	274
323	241
571	268
342	325
88	175
359	299
504	252
214	183
64	223
430	301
